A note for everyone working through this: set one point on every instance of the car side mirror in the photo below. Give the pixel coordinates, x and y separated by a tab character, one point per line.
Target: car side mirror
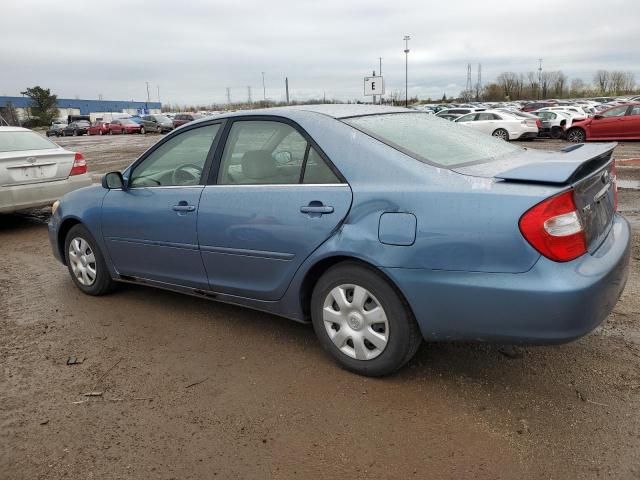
113	180
597	117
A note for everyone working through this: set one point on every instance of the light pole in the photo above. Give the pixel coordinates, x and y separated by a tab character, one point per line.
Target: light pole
264	90
406	39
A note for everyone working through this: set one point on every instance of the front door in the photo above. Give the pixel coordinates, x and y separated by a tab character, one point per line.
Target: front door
609	123
150	228
276	199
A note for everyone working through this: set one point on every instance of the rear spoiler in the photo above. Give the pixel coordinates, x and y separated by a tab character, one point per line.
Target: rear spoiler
567	166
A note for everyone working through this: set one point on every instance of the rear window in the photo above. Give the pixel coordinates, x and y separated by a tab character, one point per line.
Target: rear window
431	139
17	141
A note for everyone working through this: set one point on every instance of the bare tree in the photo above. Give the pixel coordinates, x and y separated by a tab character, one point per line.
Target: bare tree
559	83
601	79
508	81
629	83
577	87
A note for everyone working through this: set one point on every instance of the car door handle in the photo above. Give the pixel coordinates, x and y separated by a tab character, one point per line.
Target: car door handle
316	208
184	207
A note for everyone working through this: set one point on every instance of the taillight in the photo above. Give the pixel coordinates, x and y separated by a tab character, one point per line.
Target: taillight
79	165
614	184
554	229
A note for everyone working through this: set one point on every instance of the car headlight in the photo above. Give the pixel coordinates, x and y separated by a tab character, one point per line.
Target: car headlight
55	206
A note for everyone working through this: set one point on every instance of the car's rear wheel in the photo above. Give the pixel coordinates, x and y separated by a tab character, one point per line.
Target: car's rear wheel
556	132
75	133
85	262
362	321
501	133
576	135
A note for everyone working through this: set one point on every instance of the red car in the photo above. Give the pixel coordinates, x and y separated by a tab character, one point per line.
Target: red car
621	122
183	118
124	125
98	128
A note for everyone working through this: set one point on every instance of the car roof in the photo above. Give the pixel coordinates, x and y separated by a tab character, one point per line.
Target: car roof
14	129
336	111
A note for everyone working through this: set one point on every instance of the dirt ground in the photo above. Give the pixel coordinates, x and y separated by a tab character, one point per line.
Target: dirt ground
193	389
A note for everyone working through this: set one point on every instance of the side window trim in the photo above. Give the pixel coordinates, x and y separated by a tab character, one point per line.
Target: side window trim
207	165
212	178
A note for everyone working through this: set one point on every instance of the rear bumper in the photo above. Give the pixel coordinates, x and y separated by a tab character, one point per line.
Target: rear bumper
551	303
20	197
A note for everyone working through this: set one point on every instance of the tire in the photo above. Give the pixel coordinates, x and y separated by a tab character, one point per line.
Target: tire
142	131
48	134
395	330
91	277
501	133
123	132
100	132
110	132
159	129
556	132
576	135
75	133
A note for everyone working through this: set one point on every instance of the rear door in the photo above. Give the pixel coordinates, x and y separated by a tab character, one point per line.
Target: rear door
631	123
26	157
273	201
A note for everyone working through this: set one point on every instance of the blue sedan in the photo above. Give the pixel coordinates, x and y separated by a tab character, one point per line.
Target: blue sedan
381	226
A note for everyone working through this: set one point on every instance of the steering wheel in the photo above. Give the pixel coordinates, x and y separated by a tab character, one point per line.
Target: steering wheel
184	175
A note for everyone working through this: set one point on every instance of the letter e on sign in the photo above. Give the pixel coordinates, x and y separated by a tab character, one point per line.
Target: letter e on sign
373	86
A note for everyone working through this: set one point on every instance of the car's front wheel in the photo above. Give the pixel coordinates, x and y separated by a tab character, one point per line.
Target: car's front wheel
362	321
576	135
85	262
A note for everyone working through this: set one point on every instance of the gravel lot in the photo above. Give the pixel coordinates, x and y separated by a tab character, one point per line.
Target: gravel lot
196	389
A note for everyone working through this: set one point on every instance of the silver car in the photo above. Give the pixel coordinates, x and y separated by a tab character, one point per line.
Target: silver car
34	171
157	123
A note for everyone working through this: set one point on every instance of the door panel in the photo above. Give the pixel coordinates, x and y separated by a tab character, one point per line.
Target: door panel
253	238
151	233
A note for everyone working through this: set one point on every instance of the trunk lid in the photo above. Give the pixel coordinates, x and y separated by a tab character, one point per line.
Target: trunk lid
587	168
34	166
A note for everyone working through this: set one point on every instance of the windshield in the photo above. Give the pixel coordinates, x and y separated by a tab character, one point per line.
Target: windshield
17	141
431	139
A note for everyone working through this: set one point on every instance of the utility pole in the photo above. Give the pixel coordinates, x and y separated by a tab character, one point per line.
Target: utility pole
479	84
249	94
228	95
539	78
286	86
148	97
468	89
264	89
406	39
158	87
380	73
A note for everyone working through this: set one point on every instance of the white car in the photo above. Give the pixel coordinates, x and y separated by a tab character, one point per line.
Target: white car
459	111
576	113
500	124
554	123
34	171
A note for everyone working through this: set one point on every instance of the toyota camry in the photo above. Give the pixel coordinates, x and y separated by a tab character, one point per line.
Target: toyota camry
380	226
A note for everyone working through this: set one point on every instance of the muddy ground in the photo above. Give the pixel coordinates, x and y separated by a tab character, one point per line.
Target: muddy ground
193	389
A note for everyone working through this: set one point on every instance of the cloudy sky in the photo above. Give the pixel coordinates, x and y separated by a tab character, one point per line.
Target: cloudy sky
193	50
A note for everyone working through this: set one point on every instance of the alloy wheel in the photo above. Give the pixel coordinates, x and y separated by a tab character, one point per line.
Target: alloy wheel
575	136
356	322
501	134
83	261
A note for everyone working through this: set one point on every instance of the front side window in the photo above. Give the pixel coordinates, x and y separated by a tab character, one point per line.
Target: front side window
466	118
431	140
177	162
615	112
485	116
635	110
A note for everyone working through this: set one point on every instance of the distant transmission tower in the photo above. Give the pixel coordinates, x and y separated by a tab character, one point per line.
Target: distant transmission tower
249	94
468	90
228	95
479	84
539	77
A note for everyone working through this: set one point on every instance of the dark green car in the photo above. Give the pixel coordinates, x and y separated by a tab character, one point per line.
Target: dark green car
156	123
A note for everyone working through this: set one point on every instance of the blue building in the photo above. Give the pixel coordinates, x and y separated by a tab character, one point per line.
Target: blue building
69	106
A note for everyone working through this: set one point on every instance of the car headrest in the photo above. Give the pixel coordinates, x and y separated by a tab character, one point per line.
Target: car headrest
259	164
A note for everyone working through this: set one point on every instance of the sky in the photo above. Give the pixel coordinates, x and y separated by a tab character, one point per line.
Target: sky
191	51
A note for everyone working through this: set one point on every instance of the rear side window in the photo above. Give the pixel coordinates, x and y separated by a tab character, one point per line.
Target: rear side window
17	141
317	171
432	140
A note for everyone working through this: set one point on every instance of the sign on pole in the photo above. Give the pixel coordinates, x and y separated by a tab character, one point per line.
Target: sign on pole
373	86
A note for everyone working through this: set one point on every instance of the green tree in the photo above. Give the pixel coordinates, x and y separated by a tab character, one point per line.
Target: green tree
44	105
